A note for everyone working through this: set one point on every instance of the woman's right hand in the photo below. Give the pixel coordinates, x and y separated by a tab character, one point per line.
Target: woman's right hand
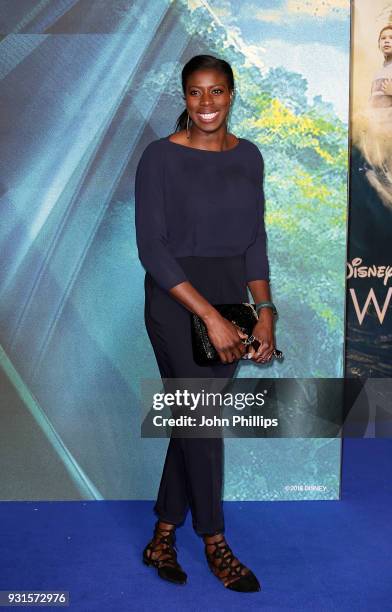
224	335
226	338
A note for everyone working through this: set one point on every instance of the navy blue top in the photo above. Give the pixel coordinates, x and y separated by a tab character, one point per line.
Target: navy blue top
194	202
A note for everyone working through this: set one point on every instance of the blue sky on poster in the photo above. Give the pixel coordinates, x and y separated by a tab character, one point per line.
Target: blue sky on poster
310	37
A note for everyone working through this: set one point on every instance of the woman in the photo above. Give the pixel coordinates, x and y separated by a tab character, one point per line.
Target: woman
381	90
375	133
201	238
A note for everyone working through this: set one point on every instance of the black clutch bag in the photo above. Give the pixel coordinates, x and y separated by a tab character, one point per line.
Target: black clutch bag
242	315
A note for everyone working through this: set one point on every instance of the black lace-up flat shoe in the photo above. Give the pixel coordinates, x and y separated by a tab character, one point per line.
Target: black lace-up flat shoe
161	553
229	569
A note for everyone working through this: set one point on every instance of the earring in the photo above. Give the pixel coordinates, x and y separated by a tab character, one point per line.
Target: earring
187	127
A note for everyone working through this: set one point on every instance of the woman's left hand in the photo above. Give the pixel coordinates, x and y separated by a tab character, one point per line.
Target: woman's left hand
264	333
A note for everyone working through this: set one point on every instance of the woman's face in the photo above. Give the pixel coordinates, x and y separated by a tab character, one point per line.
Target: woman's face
385	42
207	99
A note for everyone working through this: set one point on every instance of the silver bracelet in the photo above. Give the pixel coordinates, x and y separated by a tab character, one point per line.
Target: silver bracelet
266	305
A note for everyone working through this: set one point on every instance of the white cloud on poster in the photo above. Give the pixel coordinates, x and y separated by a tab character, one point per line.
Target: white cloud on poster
271	16
299	9
325	68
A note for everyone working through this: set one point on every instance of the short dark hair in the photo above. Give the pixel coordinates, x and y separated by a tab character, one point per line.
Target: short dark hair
202	62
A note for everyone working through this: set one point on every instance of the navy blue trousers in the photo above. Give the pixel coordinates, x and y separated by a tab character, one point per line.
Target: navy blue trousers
193	471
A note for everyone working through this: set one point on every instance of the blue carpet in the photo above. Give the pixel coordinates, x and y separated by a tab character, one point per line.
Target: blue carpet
318	556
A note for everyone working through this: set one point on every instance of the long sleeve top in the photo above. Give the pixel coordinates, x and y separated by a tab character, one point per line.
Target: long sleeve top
194	202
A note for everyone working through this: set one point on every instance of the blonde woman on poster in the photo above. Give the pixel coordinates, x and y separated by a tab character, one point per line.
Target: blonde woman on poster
376	140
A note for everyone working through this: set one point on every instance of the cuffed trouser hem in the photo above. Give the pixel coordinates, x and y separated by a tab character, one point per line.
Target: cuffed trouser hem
166	519
208	532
